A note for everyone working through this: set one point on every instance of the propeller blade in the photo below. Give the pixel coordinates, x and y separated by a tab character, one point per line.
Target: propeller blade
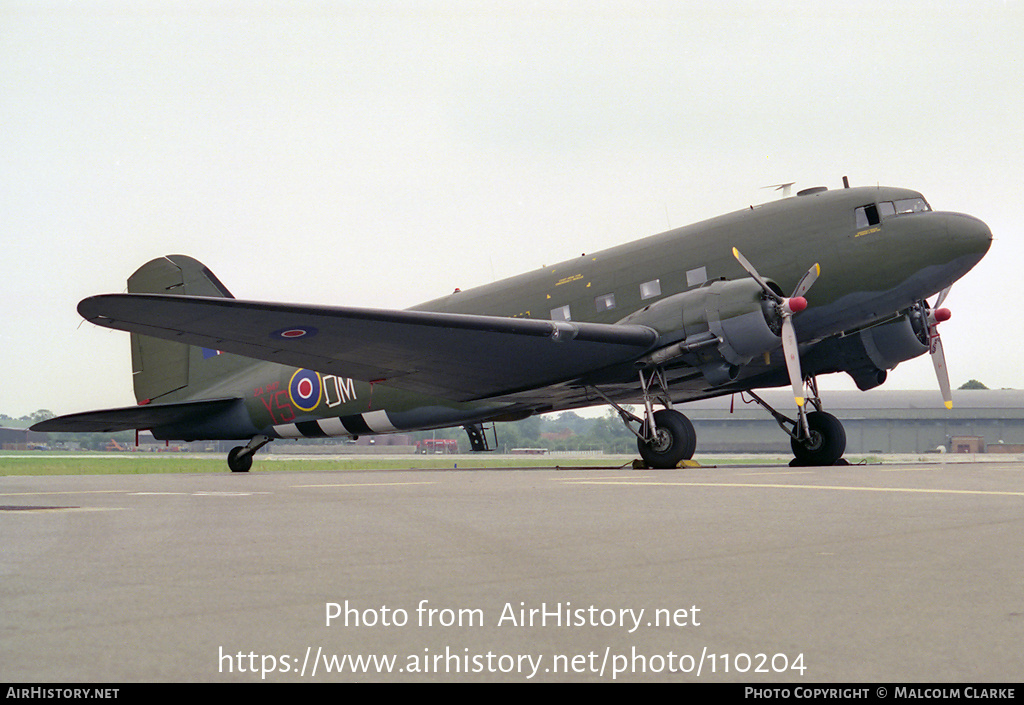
791	351
787	307
939	361
807	280
935	316
757	277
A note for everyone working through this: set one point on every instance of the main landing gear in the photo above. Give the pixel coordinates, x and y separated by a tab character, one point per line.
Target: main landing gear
816	437
665	437
240	458
672	441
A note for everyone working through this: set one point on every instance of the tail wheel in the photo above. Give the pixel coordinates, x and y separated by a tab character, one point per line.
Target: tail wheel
675	440
826	444
239	460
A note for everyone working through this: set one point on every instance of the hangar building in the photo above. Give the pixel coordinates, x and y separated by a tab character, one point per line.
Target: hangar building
20	438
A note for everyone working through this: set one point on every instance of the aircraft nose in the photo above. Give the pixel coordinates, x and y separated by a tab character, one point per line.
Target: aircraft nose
970	234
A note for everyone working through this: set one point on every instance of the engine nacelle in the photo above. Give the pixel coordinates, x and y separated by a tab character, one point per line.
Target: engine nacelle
868	354
891	343
716	327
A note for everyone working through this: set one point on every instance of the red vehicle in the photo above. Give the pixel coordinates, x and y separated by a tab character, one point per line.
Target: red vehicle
444	446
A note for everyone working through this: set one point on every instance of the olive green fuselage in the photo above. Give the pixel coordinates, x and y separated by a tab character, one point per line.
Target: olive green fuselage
874	263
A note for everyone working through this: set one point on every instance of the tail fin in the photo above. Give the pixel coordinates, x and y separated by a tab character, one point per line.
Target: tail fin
171	371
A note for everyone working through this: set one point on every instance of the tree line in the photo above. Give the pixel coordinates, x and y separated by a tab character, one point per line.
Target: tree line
565	431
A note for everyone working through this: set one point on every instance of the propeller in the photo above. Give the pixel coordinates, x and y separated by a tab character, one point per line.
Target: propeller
933	317
787	307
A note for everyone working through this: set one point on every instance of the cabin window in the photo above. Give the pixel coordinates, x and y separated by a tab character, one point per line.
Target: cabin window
648	290
605	303
561	314
696	277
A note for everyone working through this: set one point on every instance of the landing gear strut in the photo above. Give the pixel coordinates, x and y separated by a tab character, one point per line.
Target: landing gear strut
240	458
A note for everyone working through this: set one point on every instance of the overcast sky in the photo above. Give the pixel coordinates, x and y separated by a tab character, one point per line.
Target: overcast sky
381	154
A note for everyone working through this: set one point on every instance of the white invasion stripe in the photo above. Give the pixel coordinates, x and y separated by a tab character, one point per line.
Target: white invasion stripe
378	421
333	427
288	430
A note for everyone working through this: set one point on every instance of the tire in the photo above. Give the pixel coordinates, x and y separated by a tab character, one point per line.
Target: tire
676	440
827	443
238	460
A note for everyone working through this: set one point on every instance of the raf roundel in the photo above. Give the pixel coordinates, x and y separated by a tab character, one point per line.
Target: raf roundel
305	389
294	333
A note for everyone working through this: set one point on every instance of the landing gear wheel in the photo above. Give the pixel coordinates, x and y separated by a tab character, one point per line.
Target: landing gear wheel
675	441
239	460
826	444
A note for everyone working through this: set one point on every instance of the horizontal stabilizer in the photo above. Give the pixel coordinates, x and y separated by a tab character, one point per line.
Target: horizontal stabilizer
127	418
455	356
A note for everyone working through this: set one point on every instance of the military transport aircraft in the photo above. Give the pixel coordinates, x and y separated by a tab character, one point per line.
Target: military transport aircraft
670	318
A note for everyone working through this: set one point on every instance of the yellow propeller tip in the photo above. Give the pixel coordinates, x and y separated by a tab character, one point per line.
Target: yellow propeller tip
949	405
799	401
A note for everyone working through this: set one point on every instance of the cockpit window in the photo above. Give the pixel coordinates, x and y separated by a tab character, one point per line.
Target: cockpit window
867	215
873	214
911	205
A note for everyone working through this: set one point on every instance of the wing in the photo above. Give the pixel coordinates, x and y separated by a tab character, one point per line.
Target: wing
126	418
456	356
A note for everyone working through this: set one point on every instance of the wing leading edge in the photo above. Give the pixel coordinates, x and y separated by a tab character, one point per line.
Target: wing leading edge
455	356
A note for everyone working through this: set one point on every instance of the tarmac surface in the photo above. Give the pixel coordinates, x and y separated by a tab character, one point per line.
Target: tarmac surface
881	573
